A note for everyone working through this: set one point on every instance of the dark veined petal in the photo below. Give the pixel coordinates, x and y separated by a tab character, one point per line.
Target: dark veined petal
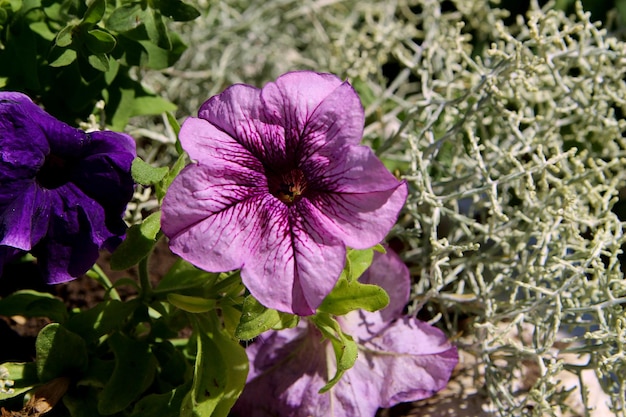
284	270
360	220
212	147
213	218
239	113
291	100
354	169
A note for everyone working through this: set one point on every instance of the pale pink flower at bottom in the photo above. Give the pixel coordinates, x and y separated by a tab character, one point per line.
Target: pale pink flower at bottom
400	359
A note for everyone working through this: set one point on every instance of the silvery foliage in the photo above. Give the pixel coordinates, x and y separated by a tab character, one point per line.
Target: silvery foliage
512	140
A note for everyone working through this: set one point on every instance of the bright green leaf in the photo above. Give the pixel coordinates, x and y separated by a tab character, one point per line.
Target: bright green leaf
256	319
157	31
94	12
66	58
182	275
145	174
99	41
99	62
167	180
64	38
344	346
23	377
190	303
147	105
60	352
140	239
220	371
177	10
42	29
126	18
349	296
30	303
357	261
134	371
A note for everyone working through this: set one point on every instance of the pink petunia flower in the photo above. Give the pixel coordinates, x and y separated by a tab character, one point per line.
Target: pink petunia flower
279	187
400	359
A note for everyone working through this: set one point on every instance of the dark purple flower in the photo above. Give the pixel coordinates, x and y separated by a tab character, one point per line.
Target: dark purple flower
280	186
400	359
63	191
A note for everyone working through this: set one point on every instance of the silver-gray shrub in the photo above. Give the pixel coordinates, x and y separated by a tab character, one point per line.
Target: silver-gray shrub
512	141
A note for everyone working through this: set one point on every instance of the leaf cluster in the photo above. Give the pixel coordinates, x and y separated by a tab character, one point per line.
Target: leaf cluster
69	55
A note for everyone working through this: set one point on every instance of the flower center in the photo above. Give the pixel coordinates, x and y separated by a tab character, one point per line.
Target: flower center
288	187
55	172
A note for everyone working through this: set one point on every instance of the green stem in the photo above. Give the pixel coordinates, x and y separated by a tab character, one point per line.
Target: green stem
144	278
102	278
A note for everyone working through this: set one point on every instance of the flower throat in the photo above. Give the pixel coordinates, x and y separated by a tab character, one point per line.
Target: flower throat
288	187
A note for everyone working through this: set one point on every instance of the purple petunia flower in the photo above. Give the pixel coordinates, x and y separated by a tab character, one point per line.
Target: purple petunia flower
400	359
62	191
280	186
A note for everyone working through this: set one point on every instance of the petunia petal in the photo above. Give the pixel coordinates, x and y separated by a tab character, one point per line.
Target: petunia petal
71	244
210	146
411	359
24	221
360	220
389	272
287	369
213	219
283	272
354	169
238	113
335	123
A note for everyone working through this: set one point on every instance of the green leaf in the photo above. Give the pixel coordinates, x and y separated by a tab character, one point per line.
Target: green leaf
66	58
99	41
99	62
30	303
176	128
134	371
157	31
167	180
64	38
357	261
82	402
182	275
344	346
126	18
42	29
94	12
106	317
140	239
191	303
160	58
349	296
146	105
161	405
60	352
177	10
145	174
256	319
220	371
22	375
